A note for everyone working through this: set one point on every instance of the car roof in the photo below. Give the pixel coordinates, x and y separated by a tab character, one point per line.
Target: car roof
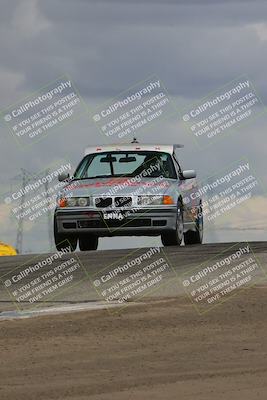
165	148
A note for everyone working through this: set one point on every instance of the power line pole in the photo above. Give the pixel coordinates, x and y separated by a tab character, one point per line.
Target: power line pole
25	178
49	214
19	239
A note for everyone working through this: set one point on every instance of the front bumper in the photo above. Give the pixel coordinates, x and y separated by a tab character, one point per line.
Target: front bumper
145	221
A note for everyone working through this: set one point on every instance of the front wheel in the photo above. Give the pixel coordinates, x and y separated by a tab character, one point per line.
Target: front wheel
195	237
174	238
64	242
89	242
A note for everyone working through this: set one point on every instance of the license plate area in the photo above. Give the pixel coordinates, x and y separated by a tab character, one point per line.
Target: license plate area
113	215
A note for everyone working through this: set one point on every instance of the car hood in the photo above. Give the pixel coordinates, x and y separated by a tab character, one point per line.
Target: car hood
119	186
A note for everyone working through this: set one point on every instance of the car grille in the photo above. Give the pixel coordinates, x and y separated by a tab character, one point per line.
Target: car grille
103	202
123	201
134	223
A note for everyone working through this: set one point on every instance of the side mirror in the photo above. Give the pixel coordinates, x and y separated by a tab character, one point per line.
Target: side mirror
189	174
63	177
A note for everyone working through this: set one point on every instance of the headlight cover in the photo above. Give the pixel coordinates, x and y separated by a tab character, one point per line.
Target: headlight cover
83	201
71	202
74	202
149	200
155	200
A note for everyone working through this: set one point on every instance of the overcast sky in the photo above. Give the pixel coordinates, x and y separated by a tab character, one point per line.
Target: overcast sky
106	46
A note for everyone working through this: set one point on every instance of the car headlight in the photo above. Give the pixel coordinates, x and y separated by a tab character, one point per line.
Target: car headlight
155	200
71	202
82	201
150	200
74	202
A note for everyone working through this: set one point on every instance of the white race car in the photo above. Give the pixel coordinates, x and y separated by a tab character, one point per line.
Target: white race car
128	190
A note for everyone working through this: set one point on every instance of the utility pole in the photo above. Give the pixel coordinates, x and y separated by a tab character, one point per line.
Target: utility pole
212	192
19	239
25	177
49	214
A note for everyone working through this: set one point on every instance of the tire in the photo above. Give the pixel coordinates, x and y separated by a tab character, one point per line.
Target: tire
63	242
89	242
195	237
175	237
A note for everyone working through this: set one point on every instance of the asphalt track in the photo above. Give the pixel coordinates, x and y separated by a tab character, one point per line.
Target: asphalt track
82	289
156	347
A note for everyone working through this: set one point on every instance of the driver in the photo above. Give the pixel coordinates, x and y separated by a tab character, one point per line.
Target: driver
151	166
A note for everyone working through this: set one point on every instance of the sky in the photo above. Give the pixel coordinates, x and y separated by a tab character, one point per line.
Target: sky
107	46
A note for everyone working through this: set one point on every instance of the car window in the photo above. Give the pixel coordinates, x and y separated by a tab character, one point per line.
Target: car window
126	164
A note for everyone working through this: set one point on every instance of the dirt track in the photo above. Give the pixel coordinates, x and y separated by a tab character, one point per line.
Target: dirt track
163	350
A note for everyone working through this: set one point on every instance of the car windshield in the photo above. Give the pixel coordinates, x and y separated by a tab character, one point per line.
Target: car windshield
146	164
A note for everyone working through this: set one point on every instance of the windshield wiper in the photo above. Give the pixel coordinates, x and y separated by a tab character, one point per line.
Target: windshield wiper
92	177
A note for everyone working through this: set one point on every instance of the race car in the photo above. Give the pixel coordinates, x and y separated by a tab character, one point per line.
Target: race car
128	190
